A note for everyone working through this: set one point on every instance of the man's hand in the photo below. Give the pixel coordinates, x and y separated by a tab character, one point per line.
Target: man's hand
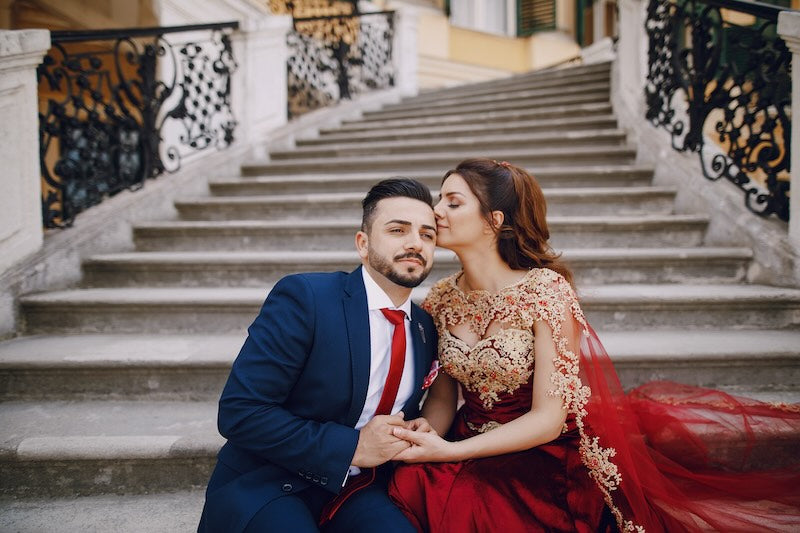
420	424
376	442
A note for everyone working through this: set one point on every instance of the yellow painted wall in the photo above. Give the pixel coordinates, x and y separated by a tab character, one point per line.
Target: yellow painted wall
489	50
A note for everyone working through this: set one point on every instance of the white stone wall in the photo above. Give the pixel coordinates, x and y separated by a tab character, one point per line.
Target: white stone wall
20	199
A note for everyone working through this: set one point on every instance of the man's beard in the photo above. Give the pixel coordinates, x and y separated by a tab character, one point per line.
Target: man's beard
384	267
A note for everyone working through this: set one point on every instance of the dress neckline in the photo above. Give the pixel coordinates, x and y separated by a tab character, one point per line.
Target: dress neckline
494	335
454	283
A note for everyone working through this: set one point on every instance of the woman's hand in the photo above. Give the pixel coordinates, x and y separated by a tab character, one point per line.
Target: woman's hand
420	424
426	447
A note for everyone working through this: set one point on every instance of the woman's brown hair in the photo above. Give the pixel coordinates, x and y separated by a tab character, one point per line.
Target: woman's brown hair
522	239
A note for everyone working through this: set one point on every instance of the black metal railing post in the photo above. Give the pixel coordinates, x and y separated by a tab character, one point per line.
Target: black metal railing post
727	81
106	98
333	58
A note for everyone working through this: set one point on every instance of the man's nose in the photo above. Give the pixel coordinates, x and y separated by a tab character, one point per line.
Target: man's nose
414	241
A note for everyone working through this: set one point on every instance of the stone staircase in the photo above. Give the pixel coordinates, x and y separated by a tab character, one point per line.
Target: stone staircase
109	394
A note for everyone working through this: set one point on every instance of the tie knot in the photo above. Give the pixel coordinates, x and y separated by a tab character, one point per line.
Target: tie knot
395	316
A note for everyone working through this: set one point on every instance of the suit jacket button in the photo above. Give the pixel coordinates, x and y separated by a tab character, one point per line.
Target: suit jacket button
323	481
316	479
287	487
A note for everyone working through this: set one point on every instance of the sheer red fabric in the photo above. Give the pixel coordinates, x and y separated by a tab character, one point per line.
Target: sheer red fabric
687	459
694	459
664	457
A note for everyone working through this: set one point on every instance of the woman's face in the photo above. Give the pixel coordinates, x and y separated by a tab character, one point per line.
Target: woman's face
459	221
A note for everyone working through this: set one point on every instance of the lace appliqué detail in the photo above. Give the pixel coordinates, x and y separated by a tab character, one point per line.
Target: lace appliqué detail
500	363
541	295
483	428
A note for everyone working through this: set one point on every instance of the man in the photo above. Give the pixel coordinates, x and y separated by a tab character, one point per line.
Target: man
331	365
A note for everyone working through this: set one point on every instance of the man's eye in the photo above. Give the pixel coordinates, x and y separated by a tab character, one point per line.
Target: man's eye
453	206
428	236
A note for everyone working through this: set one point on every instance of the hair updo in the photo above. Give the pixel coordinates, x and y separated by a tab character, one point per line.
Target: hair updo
522	239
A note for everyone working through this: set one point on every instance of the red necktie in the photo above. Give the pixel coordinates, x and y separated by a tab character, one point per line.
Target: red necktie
385	405
398	318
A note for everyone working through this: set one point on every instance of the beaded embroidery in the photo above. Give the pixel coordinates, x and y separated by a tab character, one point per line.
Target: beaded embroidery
503	361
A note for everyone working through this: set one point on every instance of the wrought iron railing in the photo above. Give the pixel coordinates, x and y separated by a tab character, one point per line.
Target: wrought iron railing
120	106
333	58
719	82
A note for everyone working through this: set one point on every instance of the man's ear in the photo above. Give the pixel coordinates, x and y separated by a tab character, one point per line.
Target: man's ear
362	244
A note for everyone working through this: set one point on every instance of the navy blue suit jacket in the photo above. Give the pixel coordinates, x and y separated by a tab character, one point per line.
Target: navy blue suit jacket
296	391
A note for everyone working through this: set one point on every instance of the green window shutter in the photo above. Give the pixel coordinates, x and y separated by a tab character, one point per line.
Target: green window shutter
535	15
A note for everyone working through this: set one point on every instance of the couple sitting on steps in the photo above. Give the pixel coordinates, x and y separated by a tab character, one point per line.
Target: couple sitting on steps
322	417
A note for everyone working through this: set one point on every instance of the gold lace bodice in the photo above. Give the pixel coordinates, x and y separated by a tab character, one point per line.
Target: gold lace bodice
503	361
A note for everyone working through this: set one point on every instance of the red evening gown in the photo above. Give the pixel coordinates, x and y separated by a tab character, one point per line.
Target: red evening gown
646	461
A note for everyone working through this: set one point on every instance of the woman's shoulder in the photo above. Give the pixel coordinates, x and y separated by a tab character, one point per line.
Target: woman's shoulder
440	290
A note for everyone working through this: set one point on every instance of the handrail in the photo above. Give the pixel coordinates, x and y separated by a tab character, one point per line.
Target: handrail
759	9
113	115
69	36
723	91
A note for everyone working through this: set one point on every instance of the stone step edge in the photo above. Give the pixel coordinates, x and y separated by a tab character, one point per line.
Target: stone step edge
317	177
615	150
336	257
349	197
601	135
111	447
579	123
481	118
632	221
520	94
766	353
728	295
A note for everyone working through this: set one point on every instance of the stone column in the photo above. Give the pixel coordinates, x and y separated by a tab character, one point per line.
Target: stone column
20	186
632	55
404	50
789	30
259	83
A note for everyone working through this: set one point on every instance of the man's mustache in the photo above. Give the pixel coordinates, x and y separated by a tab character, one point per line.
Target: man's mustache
412	255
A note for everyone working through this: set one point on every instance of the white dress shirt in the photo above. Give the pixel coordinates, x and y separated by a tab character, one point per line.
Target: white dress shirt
380	340
381	332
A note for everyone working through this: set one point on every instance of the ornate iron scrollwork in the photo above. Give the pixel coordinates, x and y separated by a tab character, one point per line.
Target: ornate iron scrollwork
333	58
719	82
118	107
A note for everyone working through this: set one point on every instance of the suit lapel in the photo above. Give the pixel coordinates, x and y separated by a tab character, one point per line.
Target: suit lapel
356	316
421	339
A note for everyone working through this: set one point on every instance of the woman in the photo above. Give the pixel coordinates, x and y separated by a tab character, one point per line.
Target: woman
560	448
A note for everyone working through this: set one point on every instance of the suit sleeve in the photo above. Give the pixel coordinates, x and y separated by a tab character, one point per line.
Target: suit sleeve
251	412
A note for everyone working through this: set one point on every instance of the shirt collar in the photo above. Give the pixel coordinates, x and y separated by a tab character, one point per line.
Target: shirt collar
378	299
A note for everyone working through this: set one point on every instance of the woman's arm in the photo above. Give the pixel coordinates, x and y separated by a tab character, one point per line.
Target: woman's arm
439	408
540	425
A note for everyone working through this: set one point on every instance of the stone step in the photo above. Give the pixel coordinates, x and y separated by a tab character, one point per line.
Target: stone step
116	367
339	234
184	367
562	77
360	182
483	119
518	90
560	202
435	161
258	269
766	361
173	512
523	96
328	136
613	307
523	105
97	447
476	142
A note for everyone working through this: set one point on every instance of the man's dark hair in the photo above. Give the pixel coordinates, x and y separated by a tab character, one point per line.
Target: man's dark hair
392	188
